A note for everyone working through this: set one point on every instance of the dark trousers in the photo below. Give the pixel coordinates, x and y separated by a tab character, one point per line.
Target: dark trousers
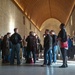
15	48
64	56
29	55
6	58
47	56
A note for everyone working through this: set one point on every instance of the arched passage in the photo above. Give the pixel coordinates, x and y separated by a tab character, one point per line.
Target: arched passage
52	24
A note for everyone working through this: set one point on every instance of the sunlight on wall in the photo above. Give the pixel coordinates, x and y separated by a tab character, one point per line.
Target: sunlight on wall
50	23
11	24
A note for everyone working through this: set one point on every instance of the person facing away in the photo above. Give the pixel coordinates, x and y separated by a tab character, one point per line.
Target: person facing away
47	48
15	40
31	46
62	36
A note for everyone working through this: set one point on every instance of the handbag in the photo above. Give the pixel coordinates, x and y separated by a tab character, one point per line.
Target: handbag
64	44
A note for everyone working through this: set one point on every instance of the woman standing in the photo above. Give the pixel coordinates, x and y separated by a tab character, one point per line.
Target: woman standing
62	36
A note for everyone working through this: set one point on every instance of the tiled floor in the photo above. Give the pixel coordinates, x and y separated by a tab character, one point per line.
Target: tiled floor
25	69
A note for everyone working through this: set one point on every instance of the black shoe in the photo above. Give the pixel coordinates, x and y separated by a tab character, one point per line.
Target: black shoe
49	64
11	64
66	65
18	63
7	62
3	61
44	65
63	66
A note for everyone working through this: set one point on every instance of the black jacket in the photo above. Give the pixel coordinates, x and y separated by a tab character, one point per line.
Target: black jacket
15	38
48	42
54	40
5	46
31	43
62	34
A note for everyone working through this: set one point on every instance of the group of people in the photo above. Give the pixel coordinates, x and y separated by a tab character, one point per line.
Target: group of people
11	45
50	46
31	46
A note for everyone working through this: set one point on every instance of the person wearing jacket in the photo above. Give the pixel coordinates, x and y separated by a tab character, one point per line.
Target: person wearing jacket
5	46
31	47
62	36
15	40
47	48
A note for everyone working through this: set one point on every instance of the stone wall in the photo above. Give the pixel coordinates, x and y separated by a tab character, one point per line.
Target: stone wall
51	24
11	17
71	24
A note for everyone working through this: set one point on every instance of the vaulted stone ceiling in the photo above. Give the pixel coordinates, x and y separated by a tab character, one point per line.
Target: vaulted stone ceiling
38	11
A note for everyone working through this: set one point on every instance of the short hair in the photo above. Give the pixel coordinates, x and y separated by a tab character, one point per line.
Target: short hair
8	33
15	29
52	31
47	30
31	32
62	25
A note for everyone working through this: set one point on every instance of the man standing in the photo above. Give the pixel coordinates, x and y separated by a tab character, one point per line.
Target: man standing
47	48
31	47
16	40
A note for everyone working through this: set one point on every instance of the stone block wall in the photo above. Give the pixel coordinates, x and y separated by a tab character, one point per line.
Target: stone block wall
11	17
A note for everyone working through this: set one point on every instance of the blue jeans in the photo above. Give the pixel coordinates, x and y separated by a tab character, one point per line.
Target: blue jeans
15	48
10	54
6	58
54	53
47	56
